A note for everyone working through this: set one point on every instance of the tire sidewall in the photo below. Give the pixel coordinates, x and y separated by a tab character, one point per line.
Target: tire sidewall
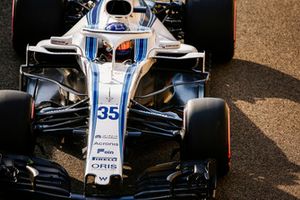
16	122
35	20
210	25
207	136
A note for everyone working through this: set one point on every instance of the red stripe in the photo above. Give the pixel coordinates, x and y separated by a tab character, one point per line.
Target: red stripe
234	26
12	16
32	110
228	118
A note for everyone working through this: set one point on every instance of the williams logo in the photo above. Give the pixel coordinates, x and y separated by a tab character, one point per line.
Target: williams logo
104	158
103	178
104	166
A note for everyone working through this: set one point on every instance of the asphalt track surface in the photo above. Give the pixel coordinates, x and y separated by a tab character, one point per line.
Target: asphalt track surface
262	87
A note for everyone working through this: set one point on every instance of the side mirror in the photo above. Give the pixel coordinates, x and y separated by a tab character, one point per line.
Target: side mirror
64	40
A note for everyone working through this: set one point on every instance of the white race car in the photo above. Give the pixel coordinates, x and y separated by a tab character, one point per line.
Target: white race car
125	72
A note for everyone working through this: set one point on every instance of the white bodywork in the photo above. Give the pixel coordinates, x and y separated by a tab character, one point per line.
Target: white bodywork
111	85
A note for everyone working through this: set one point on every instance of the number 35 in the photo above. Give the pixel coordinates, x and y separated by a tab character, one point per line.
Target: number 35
105	112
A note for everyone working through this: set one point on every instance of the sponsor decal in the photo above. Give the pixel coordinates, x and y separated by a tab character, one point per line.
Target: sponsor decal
106	137
104	158
102	178
104	151
105	112
104	166
106	143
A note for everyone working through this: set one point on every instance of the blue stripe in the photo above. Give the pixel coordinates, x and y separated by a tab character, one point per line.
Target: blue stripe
140	52
93	21
95	96
141	46
91	48
148	18
123	104
145	42
141	49
87	44
94	14
137	50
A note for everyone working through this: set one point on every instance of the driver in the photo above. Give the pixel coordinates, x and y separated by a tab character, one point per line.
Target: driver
124	52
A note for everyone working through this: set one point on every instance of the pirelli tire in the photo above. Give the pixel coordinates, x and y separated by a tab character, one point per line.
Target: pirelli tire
35	20
16	113
210	25
207	132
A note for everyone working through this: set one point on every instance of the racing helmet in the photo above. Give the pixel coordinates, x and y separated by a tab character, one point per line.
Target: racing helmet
116	26
124	51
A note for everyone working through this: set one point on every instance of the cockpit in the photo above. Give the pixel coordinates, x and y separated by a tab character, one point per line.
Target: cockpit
124	52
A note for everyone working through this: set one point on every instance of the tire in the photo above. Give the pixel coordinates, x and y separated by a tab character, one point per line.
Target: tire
35	20
16	122
207	132
210	25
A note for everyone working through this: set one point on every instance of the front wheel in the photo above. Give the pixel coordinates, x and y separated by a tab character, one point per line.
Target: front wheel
210	25
35	20
16	113
207	132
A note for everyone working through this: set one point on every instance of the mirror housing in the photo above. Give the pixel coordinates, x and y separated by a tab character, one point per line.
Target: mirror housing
168	44
64	40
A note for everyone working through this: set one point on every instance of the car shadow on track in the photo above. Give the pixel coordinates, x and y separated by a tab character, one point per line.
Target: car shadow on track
259	167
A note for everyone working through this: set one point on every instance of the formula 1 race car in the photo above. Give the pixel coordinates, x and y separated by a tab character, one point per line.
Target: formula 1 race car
116	74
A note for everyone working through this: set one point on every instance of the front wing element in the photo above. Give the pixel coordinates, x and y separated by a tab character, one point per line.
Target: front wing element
29	177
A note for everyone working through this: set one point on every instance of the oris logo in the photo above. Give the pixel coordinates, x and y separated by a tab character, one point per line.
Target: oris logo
104	166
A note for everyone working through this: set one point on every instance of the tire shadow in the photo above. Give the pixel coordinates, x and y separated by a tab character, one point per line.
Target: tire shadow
259	166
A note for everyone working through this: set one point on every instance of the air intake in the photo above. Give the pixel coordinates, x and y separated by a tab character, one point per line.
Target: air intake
119	7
